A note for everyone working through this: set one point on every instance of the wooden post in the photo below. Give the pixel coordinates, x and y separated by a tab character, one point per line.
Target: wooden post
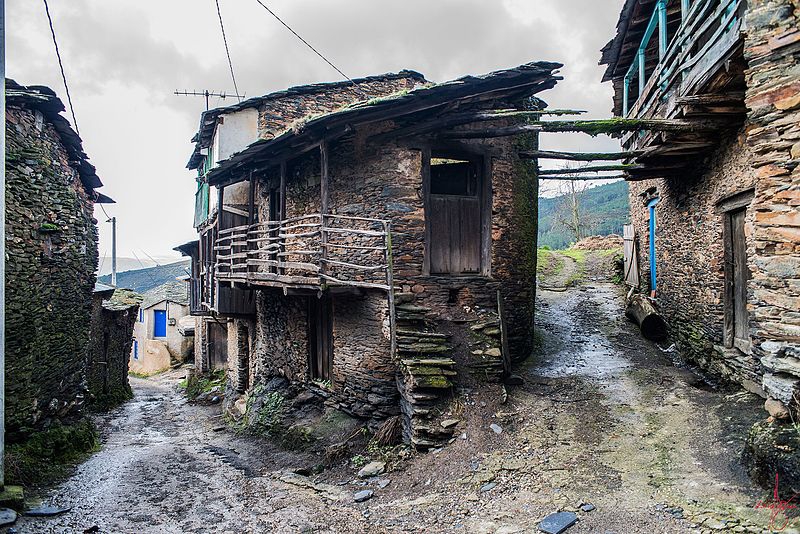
625	92
282	207
323	185
251	215
388	260
282	213
426	190
685	5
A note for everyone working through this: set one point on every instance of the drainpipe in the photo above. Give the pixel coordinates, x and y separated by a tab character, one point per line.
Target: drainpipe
3	246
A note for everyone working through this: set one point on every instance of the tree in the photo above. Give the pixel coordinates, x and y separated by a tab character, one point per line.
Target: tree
570	212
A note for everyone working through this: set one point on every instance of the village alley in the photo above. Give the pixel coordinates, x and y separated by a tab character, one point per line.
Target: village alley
605	425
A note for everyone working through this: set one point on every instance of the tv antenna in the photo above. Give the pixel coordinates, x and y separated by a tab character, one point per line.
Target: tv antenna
206	93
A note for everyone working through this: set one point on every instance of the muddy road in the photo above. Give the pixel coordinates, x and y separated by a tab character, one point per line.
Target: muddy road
603	418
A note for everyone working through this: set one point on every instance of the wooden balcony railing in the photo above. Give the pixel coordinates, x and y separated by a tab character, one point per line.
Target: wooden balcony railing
709	30
311	251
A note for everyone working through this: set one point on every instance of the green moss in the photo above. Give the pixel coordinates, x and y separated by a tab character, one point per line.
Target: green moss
196	385
49	227
433	381
105	401
48	455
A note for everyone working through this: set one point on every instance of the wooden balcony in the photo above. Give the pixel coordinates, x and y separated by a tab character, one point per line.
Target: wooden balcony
695	75
307	252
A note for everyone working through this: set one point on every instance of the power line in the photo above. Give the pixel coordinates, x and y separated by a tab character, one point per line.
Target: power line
61	66
305	42
227	51
104	211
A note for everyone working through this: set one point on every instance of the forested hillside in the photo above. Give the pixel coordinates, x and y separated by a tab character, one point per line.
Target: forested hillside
603	209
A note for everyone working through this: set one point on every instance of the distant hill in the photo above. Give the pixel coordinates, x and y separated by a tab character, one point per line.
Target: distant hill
605	207
141	280
130	264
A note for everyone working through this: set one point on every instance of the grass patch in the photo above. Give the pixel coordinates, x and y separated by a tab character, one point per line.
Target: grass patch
49	455
195	385
547	263
143	375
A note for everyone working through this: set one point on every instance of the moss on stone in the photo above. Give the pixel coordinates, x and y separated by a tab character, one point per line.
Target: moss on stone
47	455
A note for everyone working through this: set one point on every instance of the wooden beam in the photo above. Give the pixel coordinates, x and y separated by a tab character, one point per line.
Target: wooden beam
591	127
458	119
581	178
590	168
323	185
581	156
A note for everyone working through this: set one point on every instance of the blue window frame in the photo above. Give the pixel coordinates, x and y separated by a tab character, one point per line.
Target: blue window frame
135	350
652	239
141	315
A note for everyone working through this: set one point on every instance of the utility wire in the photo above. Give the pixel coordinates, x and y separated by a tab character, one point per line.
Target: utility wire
227	51
305	42
61	65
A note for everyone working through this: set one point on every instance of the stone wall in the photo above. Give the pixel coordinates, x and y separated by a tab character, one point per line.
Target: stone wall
110	348
772	51
385	182
763	157
51	241
690	258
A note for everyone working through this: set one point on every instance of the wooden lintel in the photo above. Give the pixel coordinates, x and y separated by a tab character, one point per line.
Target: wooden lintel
580	178
589	168
591	127
581	156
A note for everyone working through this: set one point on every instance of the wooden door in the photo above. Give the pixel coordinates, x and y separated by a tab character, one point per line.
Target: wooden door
320	338
737	275
454	217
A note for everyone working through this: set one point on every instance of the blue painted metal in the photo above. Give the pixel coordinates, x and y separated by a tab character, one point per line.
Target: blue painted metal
652	239
685	5
159	323
661	9
626	89
658	20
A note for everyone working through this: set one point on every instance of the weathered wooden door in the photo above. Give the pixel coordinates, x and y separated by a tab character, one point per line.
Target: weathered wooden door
320	338
737	275
455	217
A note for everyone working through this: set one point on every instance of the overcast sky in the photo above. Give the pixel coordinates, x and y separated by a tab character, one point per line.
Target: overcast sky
124	59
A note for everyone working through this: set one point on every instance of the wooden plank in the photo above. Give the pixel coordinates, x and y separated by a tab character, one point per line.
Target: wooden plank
426	204
470	235
591	168
580	156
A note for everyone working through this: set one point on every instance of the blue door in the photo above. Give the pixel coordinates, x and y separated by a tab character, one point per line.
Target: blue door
160	326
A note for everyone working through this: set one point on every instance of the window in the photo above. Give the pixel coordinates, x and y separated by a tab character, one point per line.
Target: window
141	315
135	350
455	211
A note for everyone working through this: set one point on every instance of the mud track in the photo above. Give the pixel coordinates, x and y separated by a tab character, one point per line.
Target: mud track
603	417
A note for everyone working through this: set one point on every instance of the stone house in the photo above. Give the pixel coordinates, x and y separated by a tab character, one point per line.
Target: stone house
715	202
161	335
359	247
51	239
114	312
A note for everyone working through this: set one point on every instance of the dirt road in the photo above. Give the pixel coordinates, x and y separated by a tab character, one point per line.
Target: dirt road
603	418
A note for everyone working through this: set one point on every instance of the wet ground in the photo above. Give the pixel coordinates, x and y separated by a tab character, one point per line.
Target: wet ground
603	418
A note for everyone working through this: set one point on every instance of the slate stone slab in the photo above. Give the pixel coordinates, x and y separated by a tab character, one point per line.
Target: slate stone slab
363	495
587	507
7	517
558	522
47	511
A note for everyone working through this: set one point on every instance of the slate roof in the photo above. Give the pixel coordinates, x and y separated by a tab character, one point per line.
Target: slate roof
635	15
122	299
173	291
208	119
518	82
45	100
